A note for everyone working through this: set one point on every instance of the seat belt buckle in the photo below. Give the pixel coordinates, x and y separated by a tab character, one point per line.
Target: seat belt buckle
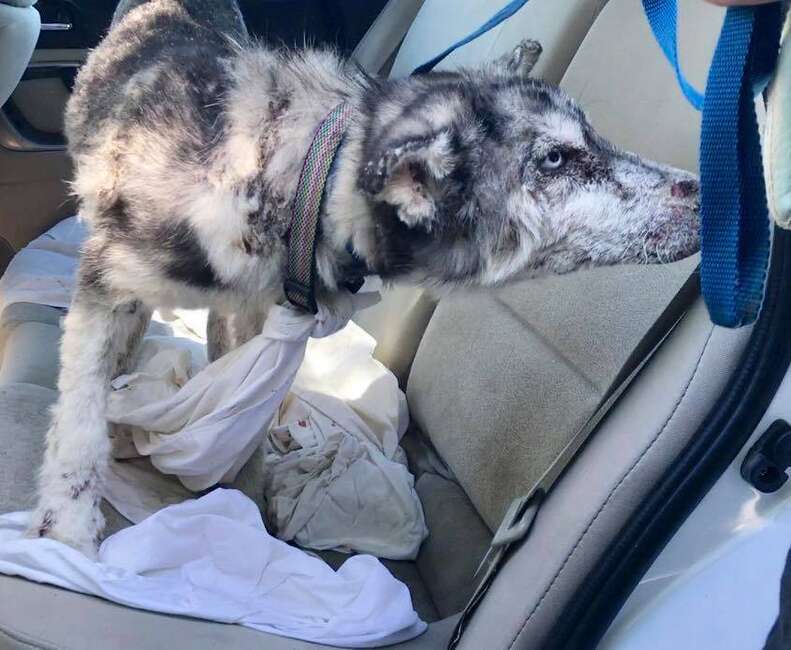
517	520
515	525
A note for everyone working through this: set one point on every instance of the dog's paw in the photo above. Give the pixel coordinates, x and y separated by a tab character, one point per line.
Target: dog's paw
73	525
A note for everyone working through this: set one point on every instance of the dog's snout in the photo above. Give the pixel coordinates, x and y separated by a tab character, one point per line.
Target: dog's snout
684	189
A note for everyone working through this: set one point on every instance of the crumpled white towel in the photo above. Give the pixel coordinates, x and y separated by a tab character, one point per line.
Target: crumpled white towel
334	474
212	558
206	430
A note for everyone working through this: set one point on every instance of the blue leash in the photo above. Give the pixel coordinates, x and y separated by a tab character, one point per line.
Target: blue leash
735	224
663	18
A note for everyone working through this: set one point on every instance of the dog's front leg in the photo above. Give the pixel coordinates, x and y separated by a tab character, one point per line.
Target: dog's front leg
227	331
218	335
96	341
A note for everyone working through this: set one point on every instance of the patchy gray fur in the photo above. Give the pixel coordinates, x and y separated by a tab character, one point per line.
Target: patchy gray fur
188	139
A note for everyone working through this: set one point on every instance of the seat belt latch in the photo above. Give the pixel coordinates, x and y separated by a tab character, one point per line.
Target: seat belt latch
517	520
515	525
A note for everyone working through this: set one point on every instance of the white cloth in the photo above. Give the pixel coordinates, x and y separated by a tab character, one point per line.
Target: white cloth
206	430
334	475
212	558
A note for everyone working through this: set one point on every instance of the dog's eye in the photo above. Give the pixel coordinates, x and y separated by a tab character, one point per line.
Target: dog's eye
553	160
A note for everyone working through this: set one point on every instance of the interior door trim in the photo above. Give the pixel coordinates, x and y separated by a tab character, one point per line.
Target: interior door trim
12	140
12	137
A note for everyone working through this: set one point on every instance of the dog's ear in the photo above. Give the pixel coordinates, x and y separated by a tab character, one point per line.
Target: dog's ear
407	173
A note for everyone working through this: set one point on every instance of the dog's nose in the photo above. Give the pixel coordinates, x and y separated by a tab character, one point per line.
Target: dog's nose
684	189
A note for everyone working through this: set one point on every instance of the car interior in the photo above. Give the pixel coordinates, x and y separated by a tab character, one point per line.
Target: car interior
498	381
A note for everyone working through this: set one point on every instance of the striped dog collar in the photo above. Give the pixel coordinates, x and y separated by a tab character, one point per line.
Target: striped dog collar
300	280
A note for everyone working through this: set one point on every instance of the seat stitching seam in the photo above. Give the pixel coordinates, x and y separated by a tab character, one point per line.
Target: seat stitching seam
612	492
554	349
15	639
32	640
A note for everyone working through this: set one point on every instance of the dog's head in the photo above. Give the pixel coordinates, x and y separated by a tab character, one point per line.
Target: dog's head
478	177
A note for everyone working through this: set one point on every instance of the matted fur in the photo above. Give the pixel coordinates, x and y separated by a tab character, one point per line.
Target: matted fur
188	139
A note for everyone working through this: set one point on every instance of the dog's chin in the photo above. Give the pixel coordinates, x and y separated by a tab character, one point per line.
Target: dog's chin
657	248
663	256
676	237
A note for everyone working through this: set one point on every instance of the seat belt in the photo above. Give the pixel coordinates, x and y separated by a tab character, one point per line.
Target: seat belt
501	16
379	44
521	513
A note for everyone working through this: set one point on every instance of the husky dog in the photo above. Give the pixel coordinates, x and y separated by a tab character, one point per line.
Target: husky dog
188	140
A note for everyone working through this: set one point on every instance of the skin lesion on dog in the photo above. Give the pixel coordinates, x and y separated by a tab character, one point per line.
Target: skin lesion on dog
188	139
45	524
78	489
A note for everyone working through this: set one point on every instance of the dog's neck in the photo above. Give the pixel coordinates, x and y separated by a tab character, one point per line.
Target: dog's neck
285	107
347	245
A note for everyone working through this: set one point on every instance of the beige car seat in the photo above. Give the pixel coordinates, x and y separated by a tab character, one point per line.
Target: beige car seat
499	382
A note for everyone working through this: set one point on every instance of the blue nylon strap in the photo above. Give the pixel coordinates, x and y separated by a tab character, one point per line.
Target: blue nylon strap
504	14
735	228
663	18
735	225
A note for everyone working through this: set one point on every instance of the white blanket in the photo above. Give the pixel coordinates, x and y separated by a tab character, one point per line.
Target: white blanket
212	558
206	429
